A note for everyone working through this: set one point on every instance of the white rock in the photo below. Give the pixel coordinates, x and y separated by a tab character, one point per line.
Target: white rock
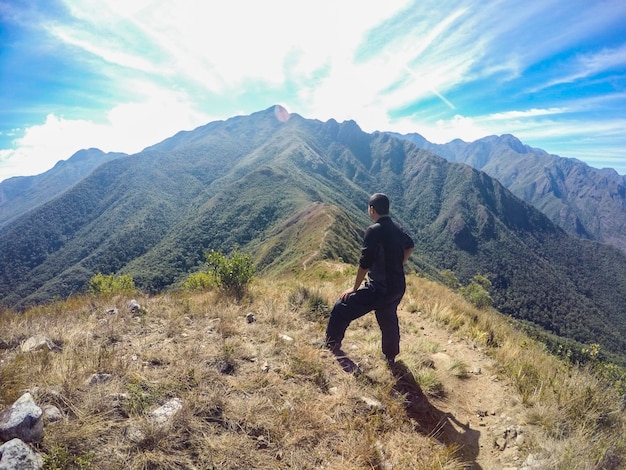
22	420
16	455
37	343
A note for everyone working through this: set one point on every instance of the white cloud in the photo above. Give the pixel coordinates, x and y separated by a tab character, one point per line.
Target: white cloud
226	45
508	115
353	59
129	128
589	65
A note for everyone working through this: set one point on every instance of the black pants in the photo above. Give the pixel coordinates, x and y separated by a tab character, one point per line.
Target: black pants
358	304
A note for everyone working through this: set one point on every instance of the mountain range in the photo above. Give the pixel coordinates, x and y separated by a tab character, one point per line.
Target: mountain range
587	202
292	191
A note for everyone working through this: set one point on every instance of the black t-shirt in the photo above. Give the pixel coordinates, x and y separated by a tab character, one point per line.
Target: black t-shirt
382	254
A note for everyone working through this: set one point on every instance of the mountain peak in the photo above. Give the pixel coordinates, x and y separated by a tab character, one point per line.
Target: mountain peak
514	143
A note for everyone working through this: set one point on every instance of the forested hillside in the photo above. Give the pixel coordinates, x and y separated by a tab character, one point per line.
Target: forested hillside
586	202
20	194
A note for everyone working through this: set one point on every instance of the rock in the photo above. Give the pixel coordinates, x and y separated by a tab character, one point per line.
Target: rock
99	378
165	413
51	413
500	443
135	434
531	461
159	417
112	311
22	420
261	442
372	403
38	343
134	306
16	455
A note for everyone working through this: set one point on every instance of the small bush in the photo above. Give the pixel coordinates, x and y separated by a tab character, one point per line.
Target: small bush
458	368
449	279
198	282
59	458
232	273
429	383
111	284
311	302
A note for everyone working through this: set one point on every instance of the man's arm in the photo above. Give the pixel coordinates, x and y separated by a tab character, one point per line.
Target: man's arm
407	254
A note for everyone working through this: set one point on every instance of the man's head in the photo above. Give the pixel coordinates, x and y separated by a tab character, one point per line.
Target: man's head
380	203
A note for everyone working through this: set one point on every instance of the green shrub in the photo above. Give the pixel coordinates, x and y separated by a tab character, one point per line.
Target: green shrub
111	284
59	458
232	273
476	292
449	279
198	282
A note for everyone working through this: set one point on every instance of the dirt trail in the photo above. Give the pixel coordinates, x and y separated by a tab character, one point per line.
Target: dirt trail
484	412
480	412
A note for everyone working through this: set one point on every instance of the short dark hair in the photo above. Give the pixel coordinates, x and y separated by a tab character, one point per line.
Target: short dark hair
380	203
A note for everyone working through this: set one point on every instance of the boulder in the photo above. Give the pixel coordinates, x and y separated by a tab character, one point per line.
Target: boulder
38	343
16	455
22	420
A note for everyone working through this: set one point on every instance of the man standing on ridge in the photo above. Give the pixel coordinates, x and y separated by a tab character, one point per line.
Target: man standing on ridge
386	247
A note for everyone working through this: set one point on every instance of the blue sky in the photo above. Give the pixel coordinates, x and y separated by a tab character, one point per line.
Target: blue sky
121	75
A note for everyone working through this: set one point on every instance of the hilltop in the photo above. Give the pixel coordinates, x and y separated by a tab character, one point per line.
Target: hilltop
470	390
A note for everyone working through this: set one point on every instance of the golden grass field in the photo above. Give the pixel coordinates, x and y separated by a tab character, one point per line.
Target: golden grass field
260	395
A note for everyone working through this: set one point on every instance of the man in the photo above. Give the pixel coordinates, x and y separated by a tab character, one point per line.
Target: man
386	247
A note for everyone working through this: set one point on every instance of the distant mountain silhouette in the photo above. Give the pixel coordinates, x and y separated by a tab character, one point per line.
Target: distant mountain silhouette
295	191
586	202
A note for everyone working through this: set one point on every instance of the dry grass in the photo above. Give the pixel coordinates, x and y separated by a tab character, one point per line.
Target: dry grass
581	417
260	395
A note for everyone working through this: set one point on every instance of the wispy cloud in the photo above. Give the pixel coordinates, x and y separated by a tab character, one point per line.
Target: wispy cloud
445	69
530	113
582	66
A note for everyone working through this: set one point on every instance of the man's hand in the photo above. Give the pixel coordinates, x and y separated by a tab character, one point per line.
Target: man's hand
344	296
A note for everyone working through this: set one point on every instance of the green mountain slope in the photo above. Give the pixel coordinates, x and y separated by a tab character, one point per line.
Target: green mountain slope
290	192
20	194
586	202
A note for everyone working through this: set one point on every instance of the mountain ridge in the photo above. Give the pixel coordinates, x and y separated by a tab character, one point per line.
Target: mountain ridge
587	202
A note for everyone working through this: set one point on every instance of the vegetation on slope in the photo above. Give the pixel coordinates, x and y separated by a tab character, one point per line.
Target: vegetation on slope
586	202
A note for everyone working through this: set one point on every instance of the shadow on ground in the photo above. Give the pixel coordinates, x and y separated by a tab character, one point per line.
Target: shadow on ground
431	421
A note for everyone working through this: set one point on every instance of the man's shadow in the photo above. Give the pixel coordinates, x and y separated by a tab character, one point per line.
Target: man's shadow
431	421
